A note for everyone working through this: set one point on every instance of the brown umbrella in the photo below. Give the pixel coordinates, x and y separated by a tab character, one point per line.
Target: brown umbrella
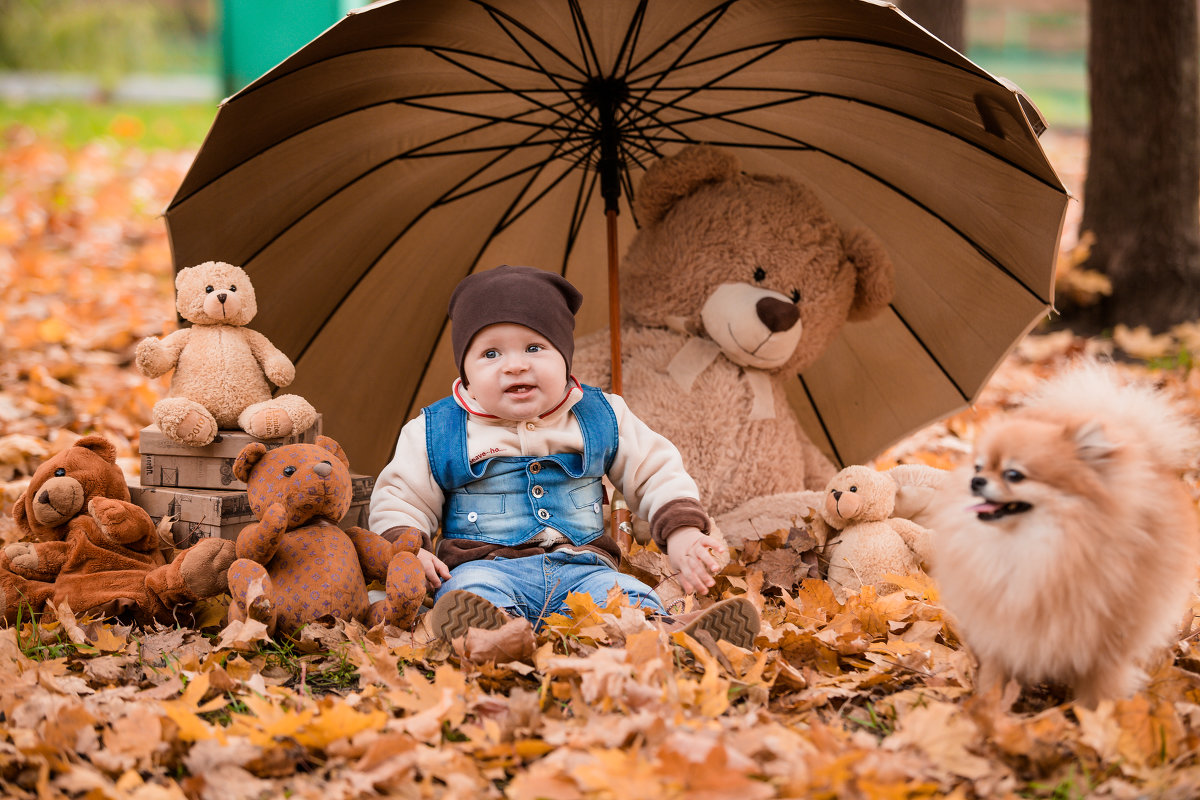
417	141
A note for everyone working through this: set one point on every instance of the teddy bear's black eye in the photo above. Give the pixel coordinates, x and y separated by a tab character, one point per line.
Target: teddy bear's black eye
795	295
289	471
58	473
854	488
208	290
759	274
232	288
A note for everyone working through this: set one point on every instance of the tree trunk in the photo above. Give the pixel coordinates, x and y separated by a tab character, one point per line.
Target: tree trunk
945	19
1142	193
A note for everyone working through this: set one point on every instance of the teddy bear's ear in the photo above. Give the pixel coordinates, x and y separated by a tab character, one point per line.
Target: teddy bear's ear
20	515
100	446
673	178
874	275
332	446
251	454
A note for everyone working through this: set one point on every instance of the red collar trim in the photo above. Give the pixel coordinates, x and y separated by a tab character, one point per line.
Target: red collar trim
465	402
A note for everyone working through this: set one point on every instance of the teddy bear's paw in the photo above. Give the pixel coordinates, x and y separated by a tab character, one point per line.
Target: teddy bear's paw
205	567
111	515
195	429
22	556
270	423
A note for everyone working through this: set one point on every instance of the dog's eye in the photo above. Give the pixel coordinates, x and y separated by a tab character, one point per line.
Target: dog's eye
979	468
208	290
795	295
759	274
289	471
1012	476
58	473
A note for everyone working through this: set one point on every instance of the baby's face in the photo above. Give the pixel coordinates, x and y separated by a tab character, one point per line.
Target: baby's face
513	372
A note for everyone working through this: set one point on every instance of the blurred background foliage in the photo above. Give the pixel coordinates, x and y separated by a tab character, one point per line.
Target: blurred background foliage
98	49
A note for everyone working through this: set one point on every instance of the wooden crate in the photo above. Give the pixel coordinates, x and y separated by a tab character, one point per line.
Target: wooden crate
167	463
202	513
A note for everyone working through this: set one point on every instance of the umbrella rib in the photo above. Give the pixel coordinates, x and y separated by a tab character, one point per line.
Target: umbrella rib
966	397
689	92
632	35
820	420
582	198
449	198
516	92
635	105
716	13
496	13
586	45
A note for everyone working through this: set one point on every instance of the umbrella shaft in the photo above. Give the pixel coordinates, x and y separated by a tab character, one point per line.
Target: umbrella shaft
614	301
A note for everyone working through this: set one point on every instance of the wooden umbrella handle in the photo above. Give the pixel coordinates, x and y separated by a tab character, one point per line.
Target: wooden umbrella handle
614	300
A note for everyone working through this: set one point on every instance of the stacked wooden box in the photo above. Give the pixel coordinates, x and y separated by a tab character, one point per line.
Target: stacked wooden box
196	485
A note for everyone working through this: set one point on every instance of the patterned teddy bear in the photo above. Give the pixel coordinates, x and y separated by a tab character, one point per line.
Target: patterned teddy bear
296	565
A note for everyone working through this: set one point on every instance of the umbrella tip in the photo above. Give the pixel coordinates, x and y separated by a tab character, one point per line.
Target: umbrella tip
1036	119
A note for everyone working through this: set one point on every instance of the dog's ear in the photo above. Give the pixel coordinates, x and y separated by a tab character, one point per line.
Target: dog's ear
1093	444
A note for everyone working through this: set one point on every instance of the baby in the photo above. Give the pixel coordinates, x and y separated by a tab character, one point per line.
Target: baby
510	466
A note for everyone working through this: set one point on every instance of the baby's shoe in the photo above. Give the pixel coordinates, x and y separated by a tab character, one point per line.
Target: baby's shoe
734	620
457	610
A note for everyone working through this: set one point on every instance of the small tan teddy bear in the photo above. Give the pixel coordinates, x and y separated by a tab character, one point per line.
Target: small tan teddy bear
223	370
866	542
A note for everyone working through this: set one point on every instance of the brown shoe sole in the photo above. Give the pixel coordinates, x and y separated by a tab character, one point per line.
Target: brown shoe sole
734	620
458	610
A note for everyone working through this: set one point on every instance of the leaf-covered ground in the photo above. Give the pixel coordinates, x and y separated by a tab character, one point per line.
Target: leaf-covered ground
871	699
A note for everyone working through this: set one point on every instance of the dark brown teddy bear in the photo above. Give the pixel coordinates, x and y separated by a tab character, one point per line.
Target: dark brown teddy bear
296	565
85	544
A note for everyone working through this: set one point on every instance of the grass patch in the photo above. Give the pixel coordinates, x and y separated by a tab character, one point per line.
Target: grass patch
173	126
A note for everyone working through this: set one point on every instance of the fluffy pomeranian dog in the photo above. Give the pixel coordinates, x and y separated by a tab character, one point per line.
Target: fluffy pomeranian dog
1068	551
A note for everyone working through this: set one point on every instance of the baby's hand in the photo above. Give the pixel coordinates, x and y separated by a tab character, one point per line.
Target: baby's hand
691	554
435	569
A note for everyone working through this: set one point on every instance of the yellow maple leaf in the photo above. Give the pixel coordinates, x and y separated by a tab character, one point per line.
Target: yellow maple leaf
53	330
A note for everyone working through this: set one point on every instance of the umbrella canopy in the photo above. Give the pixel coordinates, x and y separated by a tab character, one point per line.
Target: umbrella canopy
416	141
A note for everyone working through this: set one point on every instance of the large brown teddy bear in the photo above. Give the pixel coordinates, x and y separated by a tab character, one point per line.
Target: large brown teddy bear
223	370
864	542
733	283
85	544
296	565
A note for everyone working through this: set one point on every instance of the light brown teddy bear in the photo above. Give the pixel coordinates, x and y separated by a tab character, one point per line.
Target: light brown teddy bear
223	370
734	283
296	565
866	542
85	544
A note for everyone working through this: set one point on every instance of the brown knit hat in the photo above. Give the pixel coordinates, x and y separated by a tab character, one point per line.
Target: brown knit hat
541	300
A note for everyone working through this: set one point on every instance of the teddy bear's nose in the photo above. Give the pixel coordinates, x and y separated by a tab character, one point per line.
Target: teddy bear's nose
222	297
777	315
837	495
323	468
43	496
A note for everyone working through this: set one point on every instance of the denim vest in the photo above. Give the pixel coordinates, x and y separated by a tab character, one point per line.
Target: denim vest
509	499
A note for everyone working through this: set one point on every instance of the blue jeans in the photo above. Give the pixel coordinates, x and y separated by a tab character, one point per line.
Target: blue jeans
535	587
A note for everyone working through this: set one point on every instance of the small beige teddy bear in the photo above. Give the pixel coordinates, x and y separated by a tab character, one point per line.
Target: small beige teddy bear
866	542
223	371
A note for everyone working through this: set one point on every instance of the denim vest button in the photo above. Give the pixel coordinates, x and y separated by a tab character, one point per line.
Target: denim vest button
543	514
535	467
471	517
596	507
537	491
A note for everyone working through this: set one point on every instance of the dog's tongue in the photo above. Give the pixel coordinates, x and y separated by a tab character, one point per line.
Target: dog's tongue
985	508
